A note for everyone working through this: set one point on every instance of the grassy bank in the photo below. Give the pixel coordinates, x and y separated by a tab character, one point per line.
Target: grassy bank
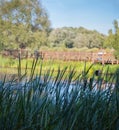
48	102
9	66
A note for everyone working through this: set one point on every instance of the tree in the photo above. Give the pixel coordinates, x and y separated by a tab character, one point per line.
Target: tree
116	39
108	43
112	41
75	37
23	23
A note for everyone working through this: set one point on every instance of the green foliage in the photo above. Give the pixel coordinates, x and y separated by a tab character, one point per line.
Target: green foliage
112	40
11	64
75	37
1	46
47	103
69	44
109	41
23	23
116	40
6	62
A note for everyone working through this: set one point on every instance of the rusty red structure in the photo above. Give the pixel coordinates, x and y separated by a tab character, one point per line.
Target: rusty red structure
94	57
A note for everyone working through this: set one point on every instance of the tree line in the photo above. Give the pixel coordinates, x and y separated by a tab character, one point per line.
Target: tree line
25	24
70	37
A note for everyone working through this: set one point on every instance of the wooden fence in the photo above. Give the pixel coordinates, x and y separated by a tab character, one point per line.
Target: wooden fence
94	57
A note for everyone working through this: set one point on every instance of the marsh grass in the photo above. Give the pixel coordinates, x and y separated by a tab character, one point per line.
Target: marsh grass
9	66
66	101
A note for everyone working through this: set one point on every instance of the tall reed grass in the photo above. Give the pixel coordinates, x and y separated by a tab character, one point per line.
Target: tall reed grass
68	101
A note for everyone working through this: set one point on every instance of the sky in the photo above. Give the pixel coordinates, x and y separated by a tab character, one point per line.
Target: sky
91	14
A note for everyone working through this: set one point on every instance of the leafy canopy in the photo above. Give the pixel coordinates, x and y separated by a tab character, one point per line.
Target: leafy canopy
112	41
23	23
